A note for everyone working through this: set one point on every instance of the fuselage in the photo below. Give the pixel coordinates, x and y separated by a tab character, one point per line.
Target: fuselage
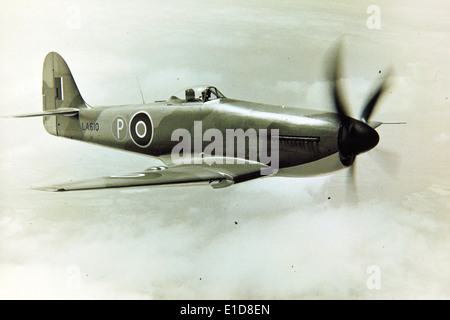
307	139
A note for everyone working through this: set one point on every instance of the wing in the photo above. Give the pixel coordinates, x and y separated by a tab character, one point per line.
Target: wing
216	175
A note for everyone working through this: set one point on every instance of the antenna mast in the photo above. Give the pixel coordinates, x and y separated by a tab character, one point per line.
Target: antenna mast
142	96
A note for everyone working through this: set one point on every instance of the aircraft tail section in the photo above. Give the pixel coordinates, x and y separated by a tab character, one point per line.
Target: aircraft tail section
60	91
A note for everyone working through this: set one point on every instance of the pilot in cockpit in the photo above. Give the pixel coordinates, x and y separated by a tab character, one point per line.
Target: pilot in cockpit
206	95
190	95
200	93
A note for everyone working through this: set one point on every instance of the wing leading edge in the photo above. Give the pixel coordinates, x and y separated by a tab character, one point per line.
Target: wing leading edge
217	176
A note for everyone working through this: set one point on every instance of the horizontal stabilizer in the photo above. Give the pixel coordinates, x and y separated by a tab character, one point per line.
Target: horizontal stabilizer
68	112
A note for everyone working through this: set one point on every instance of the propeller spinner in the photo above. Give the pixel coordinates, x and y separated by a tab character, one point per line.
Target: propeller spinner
355	136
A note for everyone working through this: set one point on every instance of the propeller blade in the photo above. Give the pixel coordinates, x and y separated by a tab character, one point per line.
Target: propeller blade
334	76
389	161
370	105
352	189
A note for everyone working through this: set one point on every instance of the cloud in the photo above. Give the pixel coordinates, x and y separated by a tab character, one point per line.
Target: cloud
308	248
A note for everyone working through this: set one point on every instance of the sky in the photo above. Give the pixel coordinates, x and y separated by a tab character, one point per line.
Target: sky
387	237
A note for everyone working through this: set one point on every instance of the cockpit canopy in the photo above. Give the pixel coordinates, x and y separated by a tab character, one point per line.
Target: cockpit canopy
198	94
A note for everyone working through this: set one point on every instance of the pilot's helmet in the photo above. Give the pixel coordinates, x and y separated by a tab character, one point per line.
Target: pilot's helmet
190	94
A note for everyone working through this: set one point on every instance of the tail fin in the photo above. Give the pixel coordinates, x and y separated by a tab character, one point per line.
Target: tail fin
60	91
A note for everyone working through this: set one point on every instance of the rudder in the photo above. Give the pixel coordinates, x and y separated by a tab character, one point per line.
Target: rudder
59	90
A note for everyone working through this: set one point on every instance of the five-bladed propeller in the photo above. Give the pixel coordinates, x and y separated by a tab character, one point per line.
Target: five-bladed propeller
355	136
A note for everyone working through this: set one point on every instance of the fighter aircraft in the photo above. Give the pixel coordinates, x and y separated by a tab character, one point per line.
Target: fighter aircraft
201	136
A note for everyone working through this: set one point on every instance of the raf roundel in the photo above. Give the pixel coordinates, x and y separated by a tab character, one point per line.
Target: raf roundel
141	129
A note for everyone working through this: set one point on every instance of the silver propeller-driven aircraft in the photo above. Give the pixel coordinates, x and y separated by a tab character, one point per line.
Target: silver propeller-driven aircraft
203	137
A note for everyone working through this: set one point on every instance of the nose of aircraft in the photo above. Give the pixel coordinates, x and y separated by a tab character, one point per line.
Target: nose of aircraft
356	137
